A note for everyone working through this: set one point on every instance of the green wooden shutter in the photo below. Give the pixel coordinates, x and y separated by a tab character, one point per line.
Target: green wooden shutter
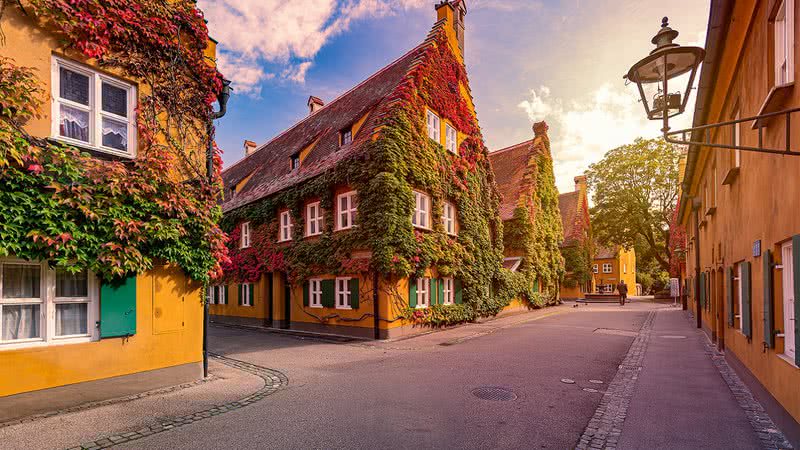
433	290
412	293
747	322
353	284
441	291
225	288
458	296
252	287
118	308
702	289
796	277
306	287
329	293
240	294
769	298
729	295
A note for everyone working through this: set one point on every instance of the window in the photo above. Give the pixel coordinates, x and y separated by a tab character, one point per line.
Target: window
595	269
738	289
315	293
246	291
245	240
294	161
346	136
93	110
313	219
216	295
423	292
348	205
788	301
784	43
422	206
451	139
449	218
447	284
434	126
286	227
606	268
624	267
39	305
343	293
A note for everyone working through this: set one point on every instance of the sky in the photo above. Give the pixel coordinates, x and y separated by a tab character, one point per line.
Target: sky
527	61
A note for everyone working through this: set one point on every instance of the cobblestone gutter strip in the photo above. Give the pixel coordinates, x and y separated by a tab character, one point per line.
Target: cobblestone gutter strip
110	401
605	426
770	436
273	381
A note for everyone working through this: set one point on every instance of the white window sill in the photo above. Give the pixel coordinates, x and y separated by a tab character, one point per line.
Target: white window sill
421	307
244	247
313	235
418	227
315	306
87	146
284	240
40	343
344	307
788	359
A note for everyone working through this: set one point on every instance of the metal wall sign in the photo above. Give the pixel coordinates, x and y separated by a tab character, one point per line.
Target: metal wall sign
674	287
757	248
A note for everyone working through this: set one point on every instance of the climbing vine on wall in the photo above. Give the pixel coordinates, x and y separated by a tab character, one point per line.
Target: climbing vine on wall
116	217
400	160
577	264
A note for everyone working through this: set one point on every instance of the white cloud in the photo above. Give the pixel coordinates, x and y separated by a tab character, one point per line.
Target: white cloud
505	5
287	34
584	130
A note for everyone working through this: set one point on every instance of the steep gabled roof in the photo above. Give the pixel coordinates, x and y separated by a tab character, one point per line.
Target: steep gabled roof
607	252
269	164
510	165
568	204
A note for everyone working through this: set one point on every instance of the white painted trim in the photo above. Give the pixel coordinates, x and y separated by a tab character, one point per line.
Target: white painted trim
350	212
312	292
285	226
346	292
317	220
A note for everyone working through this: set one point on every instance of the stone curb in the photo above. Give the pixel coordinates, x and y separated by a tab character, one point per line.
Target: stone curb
273	381
768	433
605	427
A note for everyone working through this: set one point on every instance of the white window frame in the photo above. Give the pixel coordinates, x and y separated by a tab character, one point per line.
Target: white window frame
343	293
244	241
346	136
346	217
596	268
449	291
607	268
47	308
783	44
96	114
451	139
246	300
313	221
315	292
434	125
449	219
216	295
787	262
286	226
624	267
422	210
423	293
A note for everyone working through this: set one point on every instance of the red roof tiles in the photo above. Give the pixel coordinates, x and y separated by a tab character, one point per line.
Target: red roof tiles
509	165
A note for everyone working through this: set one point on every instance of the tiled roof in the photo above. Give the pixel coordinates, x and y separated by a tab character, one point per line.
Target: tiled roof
568	206
509	165
269	164
606	252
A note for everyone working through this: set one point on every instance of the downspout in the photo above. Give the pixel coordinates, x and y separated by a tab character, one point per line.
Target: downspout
699	315
222	98
375	306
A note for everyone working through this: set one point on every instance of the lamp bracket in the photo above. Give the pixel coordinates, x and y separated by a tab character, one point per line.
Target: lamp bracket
701	135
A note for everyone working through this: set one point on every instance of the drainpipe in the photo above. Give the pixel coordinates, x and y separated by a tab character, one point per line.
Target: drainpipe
222	98
696	206
375	308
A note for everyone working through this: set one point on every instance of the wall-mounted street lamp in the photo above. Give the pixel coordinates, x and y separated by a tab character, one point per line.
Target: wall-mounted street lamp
669	61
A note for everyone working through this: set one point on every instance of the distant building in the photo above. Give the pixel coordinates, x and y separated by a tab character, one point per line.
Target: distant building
577	247
612	264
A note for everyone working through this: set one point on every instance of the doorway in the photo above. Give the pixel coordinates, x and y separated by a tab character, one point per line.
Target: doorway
720	307
788	300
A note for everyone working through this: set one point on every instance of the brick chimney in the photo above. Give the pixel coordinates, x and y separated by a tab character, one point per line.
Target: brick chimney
454	12
580	183
314	104
540	137
249	147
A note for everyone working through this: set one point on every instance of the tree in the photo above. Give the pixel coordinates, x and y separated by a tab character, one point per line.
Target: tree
635	190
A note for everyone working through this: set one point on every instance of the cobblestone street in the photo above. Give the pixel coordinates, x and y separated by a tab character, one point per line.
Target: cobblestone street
585	376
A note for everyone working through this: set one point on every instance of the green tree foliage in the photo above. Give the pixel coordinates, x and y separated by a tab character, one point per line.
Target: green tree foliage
635	191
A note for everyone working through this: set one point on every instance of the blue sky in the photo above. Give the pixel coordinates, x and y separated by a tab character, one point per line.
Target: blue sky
559	61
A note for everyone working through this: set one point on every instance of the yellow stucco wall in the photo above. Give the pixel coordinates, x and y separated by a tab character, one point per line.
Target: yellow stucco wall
623	267
169	327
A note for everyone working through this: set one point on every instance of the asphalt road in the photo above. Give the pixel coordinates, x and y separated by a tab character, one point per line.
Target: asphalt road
419	392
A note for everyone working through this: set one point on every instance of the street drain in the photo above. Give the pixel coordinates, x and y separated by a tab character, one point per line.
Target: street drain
494	394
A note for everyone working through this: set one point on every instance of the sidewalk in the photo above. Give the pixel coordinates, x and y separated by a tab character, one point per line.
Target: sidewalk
673	392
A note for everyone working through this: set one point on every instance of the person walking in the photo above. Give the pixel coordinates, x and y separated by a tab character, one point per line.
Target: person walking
622	288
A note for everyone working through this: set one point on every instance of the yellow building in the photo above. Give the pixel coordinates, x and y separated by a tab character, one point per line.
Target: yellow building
740	207
67	331
610	266
356	219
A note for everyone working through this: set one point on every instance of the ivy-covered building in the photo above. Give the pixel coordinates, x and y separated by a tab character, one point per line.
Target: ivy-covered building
375	215
531	220
577	247
108	225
